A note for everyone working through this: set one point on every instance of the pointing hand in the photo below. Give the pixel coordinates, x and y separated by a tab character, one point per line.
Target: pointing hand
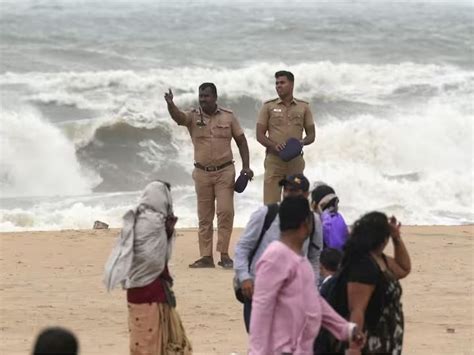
169	96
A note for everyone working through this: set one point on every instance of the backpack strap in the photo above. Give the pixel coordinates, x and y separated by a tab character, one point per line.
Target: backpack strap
312	242
269	218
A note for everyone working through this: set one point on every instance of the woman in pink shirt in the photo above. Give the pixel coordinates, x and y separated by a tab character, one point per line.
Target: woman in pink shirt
287	310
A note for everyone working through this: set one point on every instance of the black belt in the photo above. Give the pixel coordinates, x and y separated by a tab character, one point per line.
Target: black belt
213	168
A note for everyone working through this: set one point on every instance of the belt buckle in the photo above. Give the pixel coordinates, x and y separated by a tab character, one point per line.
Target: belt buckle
211	168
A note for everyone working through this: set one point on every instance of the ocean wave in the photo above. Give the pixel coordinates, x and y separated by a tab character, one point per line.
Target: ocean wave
396	138
363	83
37	159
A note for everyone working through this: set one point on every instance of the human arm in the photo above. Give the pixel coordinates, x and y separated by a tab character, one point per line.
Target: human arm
267	142
244	154
247	242
309	127
339	327
176	114
358	297
362	278
400	265
363	275
310	135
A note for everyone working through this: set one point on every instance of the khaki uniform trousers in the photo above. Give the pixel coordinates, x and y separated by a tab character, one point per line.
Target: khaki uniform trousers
275	170
215	191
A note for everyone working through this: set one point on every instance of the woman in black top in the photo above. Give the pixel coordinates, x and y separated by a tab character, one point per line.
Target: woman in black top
373	289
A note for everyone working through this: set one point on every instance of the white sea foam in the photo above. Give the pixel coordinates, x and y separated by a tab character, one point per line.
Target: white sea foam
80	212
112	89
415	161
37	159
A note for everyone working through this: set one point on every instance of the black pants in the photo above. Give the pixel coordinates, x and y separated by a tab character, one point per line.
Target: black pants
247	312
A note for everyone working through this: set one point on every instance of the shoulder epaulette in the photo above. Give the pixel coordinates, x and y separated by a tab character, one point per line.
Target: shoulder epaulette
303	101
225	109
271	100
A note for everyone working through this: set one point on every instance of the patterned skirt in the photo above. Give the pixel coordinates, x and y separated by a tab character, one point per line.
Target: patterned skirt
155	329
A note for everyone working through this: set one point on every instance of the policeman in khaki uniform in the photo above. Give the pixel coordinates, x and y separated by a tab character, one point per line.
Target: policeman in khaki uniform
212	128
282	118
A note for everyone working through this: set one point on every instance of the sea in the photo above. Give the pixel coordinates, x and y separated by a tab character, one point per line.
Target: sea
84	125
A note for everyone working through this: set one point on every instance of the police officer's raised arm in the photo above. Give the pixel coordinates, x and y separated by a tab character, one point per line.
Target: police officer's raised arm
176	114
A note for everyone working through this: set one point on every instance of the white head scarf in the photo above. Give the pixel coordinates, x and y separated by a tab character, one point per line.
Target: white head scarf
142	249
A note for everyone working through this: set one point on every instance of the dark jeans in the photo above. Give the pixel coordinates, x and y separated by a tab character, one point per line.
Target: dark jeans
247	312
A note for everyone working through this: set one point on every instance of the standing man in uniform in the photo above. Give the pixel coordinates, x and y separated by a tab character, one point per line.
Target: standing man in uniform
283	118
212	128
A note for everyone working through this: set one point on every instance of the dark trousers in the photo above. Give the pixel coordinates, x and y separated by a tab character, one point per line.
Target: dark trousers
247	312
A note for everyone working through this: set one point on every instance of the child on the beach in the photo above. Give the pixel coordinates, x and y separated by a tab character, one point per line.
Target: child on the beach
326	204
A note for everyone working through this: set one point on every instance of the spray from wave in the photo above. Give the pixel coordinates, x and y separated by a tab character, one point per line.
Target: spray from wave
38	160
391	137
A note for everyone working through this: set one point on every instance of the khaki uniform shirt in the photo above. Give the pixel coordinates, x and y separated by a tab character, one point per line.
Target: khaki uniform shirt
283	122
212	141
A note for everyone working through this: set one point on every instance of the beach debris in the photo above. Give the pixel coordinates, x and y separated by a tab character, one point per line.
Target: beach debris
100	225
450	330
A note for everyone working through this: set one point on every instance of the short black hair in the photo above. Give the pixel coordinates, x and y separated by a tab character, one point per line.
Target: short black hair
330	258
212	86
293	211
56	340
285	73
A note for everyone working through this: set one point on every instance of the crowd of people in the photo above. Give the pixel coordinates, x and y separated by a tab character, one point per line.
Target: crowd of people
307	283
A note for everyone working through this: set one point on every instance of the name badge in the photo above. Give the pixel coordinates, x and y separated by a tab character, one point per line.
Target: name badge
277	110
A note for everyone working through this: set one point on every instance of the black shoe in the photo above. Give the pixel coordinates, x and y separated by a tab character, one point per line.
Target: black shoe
204	262
226	263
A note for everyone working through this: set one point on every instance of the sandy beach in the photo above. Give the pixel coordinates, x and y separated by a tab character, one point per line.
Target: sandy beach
55	278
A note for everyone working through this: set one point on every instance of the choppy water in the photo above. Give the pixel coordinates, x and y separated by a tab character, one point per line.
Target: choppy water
84	125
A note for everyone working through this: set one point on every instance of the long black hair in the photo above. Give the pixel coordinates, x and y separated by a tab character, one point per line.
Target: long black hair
368	233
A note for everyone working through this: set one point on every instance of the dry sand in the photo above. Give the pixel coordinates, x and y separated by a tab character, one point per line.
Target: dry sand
54	278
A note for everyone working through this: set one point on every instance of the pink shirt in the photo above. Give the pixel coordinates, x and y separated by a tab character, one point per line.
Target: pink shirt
287	310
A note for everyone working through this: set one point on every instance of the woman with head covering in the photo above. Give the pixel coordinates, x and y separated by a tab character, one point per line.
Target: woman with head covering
372	290
139	262
325	202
